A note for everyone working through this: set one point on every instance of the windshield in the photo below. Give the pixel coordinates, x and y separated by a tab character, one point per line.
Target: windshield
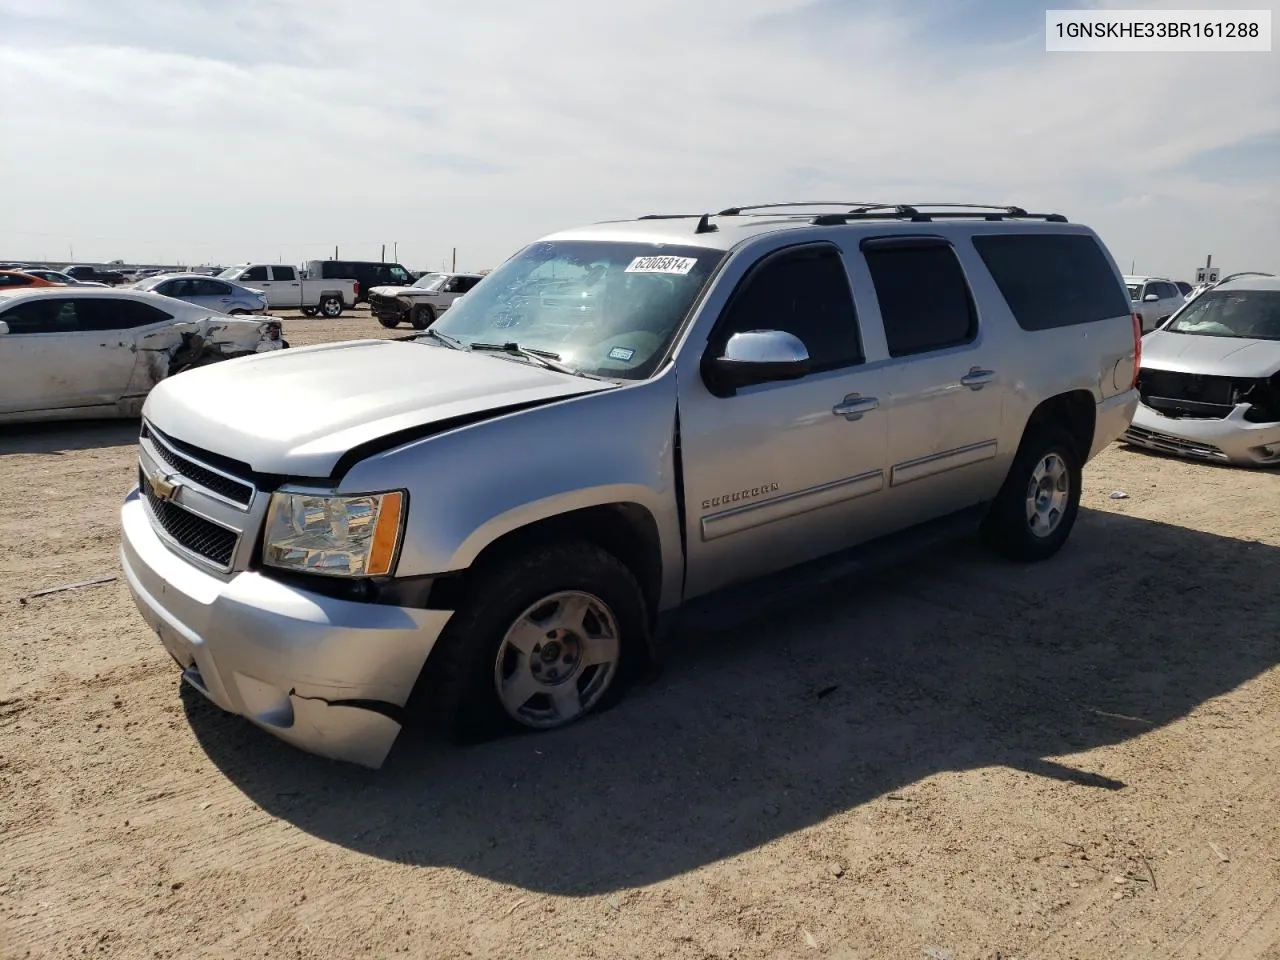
606	309
429	281
231	272
1244	314
1135	291
149	283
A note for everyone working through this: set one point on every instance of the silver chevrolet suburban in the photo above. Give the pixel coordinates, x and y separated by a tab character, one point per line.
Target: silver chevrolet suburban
490	521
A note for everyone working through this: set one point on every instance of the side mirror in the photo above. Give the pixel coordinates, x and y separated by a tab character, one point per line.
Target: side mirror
4	328
1151	298
757	356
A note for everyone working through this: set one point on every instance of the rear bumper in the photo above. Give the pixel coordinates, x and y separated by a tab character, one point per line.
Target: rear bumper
325	675
1232	439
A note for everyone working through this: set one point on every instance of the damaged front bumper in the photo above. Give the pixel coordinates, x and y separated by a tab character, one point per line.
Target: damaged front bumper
329	676
1231	439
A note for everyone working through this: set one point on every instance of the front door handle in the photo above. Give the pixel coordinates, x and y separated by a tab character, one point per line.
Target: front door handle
854	406
977	378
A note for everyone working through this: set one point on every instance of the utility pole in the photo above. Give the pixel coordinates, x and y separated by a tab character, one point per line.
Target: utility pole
455	260
335	251
382	257
395	250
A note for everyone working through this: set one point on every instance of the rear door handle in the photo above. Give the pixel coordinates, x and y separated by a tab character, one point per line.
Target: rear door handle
977	378
854	406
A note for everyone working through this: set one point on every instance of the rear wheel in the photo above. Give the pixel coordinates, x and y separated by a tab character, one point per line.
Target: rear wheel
331	306
422	317
1036	508
542	639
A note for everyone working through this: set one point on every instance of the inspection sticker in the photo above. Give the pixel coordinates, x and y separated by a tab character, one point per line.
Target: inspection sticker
677	265
621	353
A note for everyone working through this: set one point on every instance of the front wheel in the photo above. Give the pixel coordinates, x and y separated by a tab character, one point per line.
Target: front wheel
1036	508
541	640
422	317
331	307
389	322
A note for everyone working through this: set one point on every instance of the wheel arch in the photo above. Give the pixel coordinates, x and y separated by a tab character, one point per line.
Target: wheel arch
1075	411
624	528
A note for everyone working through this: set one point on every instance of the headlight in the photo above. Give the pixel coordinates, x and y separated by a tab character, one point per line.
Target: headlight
335	536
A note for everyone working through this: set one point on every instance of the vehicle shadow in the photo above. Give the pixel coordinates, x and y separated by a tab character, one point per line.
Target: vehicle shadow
840	694
64	436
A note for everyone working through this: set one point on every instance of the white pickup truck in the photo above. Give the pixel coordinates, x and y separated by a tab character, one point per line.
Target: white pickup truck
286	290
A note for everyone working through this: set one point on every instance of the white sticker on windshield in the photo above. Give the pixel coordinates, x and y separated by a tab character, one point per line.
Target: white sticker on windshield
677	265
621	353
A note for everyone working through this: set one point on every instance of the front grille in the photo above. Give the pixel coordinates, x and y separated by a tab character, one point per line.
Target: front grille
1171	444
202	537
386	308
234	490
1190	395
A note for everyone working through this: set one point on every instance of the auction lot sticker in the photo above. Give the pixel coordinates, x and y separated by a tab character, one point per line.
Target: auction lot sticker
677	265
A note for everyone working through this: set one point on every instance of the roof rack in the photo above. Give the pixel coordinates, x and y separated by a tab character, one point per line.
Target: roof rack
859	210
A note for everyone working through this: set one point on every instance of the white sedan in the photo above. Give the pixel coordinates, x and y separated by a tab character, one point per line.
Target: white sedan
68	352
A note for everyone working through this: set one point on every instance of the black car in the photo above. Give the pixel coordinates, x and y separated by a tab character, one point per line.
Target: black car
87	274
370	273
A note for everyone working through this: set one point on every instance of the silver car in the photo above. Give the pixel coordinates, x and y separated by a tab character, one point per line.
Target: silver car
224	296
1210	377
491	521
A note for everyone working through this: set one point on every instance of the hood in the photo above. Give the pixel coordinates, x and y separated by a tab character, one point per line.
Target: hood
1217	356
388	291
296	412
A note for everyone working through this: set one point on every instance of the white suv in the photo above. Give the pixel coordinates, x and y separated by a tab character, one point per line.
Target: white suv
1154	299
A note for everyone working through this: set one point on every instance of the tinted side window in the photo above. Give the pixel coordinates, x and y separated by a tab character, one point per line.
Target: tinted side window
254	273
467	283
924	298
1052	280
42	316
13	280
209	288
112	314
283	273
1168	291
805	293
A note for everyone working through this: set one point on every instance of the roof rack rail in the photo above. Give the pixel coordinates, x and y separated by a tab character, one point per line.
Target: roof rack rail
735	211
704	220
939	211
1244	273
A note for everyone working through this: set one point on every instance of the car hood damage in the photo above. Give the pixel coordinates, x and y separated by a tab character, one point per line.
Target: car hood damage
298	412
1212	356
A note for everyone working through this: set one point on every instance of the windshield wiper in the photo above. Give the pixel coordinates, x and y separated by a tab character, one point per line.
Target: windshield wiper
544	357
444	338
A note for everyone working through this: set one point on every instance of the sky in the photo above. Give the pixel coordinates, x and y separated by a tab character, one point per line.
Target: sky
220	131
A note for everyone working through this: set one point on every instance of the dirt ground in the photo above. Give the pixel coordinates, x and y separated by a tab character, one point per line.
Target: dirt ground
953	758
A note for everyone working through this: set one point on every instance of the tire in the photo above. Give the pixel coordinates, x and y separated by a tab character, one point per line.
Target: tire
422	317
236	312
310	311
1047	458
331	307
389	322
459	688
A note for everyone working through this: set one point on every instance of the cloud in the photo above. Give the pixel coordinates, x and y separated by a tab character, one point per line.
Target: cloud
236	130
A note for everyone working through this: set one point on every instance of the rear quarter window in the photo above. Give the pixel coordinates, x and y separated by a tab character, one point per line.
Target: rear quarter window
1053	280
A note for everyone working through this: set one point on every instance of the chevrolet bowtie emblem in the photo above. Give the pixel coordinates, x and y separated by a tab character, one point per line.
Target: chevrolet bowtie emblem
164	487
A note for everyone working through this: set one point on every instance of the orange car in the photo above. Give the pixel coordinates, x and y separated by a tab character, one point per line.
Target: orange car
14	278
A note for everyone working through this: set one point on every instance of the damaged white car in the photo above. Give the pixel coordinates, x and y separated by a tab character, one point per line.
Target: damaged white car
69	352
1210	377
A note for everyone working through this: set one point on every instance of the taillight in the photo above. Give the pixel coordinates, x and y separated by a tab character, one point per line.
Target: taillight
1137	348
355	288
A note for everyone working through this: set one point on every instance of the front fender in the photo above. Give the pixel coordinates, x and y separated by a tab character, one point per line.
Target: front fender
470	486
